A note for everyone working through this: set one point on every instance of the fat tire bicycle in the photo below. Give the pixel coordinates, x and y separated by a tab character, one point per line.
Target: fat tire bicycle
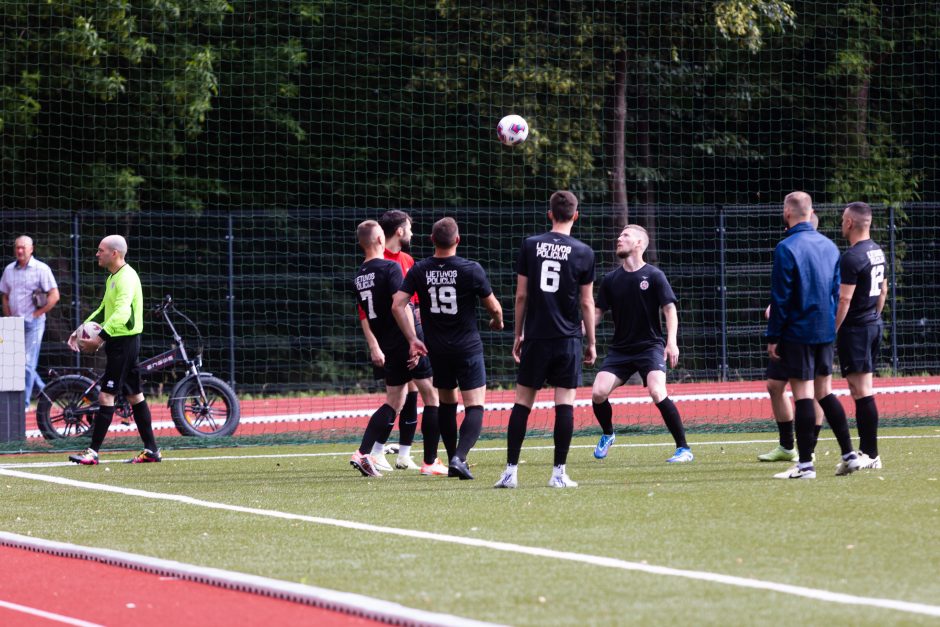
201	404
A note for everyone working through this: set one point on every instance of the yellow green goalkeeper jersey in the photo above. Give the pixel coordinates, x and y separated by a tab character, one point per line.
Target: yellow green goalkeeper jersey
123	304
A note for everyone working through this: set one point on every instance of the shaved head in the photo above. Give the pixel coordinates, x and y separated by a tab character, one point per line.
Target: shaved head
799	203
116	243
370	235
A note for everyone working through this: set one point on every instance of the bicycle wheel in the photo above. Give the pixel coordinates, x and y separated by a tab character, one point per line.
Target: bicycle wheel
67	407
215	415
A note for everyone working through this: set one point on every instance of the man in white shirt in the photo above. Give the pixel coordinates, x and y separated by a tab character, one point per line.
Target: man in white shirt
29	291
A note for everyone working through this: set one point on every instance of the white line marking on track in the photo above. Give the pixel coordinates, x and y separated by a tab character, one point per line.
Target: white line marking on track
593	560
59	618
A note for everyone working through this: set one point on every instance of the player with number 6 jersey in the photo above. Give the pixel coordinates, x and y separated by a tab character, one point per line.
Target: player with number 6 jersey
554	294
448	287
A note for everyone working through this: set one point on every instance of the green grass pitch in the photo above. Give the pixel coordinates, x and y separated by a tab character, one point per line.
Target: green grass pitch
875	534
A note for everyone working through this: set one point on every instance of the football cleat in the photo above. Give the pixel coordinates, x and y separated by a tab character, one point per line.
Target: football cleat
848	465
779	454
406	463
509	479
146	456
797	473
873	463
390	449
561	480
682	455
381	463
434	469
363	463
459	468
603	446
88	458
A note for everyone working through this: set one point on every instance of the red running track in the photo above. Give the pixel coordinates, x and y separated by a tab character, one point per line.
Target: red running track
110	595
699	403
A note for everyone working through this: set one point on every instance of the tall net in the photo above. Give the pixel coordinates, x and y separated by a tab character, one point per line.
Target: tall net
238	144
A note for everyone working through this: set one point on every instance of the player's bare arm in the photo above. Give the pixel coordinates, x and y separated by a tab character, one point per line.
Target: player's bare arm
881	298
491	304
672	331
375	352
522	295
406	323
845	300
588	321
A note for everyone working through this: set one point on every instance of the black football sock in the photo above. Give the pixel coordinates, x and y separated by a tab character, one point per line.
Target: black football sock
144	425
866	419
103	418
470	430
377	428
816	429
408	420
515	433
835	416
564	428
805	422
431	433
786	434
447	419
673	421
604	414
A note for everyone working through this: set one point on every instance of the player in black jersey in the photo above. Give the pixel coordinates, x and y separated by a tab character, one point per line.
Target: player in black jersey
635	294
554	293
862	294
377	280
448	287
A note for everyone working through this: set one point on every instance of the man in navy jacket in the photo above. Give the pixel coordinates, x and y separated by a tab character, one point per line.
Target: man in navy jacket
802	328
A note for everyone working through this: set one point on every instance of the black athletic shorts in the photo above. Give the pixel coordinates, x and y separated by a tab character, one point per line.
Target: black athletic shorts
464	371
805	362
396	372
623	365
121	374
776	371
858	348
556	361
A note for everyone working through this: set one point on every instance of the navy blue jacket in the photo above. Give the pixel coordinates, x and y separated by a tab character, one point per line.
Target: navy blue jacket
804	290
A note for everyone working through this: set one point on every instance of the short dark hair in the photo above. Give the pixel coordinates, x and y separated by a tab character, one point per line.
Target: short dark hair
392	220
365	232
563	205
860	209
444	233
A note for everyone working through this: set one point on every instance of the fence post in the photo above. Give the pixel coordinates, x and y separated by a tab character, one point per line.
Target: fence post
722	293
894	291
230	238
76	277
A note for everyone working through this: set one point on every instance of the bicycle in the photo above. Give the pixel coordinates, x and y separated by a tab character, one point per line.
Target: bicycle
201	404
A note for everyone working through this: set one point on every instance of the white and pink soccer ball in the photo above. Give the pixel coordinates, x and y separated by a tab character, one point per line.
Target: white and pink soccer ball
512	130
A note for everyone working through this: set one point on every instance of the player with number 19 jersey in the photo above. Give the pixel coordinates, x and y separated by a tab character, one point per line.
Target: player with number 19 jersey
449	289
556	266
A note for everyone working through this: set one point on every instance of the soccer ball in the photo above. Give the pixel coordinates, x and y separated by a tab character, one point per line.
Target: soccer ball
512	130
88	331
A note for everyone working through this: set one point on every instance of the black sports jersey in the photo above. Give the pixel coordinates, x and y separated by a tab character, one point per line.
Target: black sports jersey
863	266
634	300
556	266
376	283
449	288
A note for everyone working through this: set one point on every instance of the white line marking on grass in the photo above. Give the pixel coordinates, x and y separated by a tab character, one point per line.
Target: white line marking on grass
59	618
476	449
593	560
346	602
